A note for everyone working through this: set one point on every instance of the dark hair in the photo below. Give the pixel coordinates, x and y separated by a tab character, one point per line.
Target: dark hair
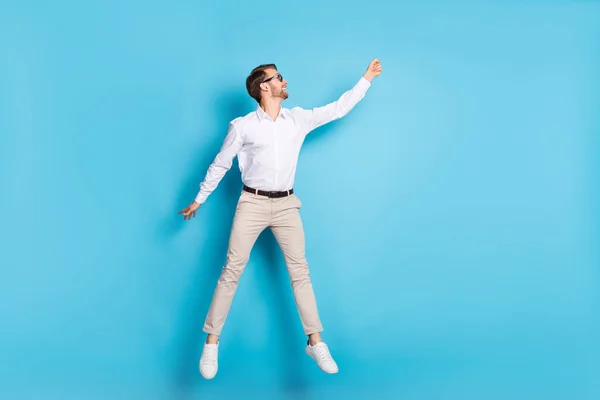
255	78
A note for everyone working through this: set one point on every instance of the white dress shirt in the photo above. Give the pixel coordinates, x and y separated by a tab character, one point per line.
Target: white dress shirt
268	149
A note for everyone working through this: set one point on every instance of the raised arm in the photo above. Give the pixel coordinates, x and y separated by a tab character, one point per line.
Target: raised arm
319	116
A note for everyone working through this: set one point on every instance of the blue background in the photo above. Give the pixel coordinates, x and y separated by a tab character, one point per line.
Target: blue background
452	217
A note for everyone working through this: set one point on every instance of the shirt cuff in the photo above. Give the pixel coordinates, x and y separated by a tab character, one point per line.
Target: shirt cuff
200	197
364	82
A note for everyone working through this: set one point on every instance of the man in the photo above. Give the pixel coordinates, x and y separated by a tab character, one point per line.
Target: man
267	142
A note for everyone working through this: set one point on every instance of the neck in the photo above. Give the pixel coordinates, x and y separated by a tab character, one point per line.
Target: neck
271	106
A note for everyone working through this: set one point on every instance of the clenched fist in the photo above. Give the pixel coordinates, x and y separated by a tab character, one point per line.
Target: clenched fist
373	70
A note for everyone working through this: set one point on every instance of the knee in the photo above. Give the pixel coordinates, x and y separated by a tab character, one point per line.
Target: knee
299	272
232	272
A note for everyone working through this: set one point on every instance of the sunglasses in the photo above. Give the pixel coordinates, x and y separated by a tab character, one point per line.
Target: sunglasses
278	76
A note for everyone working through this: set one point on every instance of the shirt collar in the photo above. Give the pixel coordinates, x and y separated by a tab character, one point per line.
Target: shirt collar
262	114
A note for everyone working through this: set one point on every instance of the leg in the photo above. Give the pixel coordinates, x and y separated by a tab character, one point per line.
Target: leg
251	218
289	232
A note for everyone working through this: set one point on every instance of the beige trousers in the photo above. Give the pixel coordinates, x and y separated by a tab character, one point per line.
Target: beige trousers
253	214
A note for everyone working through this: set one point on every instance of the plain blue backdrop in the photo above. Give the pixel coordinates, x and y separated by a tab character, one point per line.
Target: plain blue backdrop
452	218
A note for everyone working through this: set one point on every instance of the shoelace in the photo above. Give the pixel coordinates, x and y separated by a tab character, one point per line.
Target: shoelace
323	351
210	355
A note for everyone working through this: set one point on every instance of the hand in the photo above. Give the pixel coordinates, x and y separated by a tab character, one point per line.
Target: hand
190	211
373	70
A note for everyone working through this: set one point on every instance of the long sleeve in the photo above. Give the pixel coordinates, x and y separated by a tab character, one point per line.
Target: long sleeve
318	116
221	164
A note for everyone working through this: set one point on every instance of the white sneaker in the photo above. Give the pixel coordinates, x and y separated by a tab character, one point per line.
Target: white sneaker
320	353
209	361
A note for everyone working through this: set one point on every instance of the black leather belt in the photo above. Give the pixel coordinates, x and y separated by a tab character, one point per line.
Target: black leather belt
269	194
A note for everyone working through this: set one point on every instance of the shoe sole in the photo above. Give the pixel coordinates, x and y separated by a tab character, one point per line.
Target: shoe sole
205	376
311	356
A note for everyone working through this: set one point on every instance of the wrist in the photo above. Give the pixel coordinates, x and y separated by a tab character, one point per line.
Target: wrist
368	77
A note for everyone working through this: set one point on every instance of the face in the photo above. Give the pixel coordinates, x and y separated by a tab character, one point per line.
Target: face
276	87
